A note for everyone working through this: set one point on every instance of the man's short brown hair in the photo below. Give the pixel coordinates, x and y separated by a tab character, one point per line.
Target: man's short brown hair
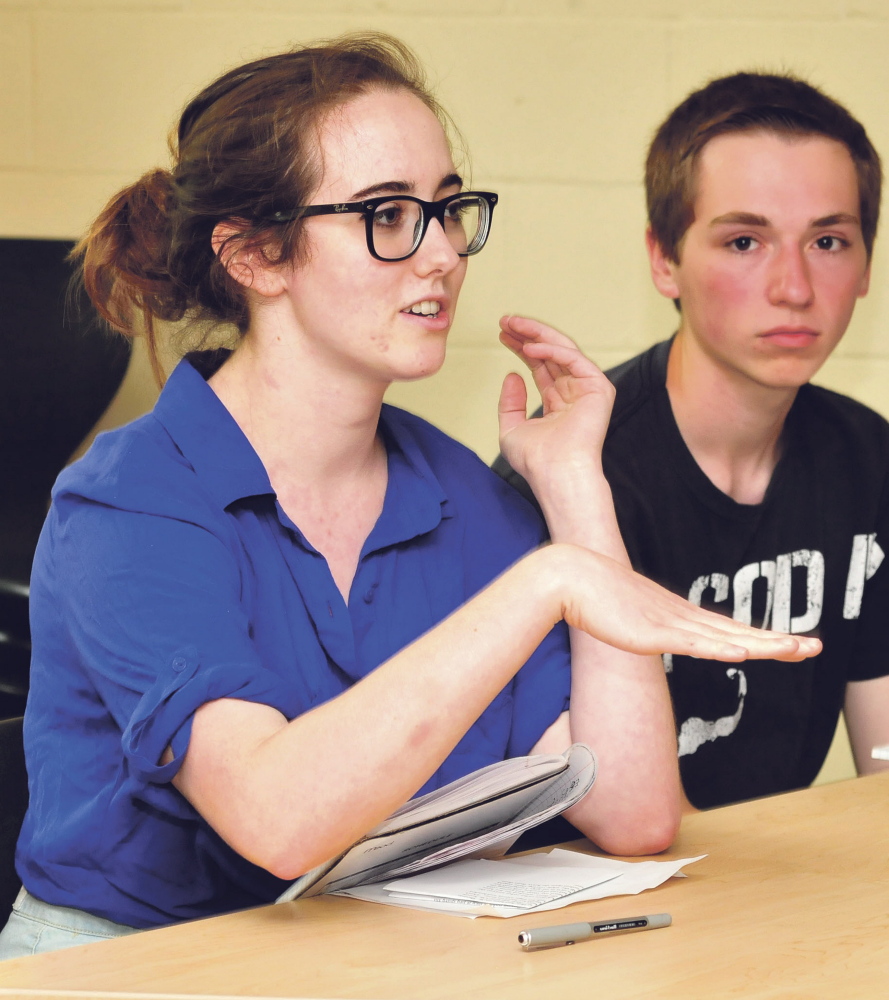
746	102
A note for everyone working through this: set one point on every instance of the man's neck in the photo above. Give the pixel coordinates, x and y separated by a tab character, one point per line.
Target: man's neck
731	425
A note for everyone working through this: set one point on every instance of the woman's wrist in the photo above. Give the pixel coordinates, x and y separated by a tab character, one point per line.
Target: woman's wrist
580	511
551	570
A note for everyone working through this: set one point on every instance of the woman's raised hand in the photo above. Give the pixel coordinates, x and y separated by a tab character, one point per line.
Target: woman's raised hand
576	396
626	610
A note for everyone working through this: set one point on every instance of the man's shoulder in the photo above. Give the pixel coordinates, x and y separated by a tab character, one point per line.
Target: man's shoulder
637	381
826	417
850	408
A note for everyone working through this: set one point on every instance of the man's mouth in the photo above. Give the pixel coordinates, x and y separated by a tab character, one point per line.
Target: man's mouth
791	336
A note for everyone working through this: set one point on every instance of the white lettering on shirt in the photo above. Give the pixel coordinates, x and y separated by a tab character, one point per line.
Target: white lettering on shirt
696	732
864	562
742	585
719	583
866	558
778	576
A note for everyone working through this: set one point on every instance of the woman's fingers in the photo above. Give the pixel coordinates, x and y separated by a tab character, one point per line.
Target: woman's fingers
512	409
722	644
549	355
523	328
633	613
759	642
562	373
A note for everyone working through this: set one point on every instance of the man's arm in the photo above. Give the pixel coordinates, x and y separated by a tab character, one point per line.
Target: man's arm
867	719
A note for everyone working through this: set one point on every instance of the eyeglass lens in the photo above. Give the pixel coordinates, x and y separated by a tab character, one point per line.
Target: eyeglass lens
397	226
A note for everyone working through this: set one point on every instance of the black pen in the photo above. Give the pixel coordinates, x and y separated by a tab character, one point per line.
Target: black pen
558	934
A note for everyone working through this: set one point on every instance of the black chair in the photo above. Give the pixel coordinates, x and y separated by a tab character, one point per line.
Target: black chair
59	370
13	804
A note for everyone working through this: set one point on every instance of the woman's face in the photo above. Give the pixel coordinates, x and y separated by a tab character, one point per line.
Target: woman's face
353	311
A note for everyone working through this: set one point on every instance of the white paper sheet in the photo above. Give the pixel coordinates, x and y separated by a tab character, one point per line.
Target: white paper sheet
456	888
522	887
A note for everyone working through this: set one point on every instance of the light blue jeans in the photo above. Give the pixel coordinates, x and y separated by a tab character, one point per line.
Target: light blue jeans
35	926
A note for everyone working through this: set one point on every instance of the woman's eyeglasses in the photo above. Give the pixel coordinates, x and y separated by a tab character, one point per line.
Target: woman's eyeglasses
395	226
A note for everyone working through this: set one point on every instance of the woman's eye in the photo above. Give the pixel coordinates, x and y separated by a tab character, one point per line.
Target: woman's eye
387	216
742	243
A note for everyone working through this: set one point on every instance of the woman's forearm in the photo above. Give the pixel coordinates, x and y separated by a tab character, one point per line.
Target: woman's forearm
620	704
290	795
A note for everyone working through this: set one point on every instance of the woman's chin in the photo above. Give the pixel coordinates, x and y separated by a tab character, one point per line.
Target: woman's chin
423	365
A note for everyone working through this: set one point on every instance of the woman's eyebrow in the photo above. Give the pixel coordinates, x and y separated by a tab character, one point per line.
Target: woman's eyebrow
384	187
451	180
403	187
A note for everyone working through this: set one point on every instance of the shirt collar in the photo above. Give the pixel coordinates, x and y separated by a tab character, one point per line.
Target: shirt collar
209	438
415	500
218	450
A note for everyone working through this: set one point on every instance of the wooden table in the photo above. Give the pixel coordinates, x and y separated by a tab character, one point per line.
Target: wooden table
792	902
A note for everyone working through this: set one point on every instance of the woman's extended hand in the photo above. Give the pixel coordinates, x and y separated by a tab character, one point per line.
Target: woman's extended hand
577	400
626	610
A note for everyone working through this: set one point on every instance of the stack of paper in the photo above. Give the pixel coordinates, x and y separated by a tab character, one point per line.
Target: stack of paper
481	814
526	884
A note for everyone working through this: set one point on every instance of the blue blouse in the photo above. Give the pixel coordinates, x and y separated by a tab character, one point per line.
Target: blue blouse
168	575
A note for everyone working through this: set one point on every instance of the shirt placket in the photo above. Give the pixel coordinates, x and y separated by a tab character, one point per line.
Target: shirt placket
320	594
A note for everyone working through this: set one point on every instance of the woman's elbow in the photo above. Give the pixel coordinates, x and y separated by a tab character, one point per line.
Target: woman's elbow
284	860
640	832
643	837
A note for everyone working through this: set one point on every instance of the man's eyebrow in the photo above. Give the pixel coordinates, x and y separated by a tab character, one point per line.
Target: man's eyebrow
402	187
838	219
740	218
750	219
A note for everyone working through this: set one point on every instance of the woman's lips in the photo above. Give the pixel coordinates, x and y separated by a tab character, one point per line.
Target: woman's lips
432	314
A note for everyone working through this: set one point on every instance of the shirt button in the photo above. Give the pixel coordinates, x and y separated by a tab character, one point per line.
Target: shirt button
179	663
369	596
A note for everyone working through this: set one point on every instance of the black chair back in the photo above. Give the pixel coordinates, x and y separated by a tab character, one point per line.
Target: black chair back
58	372
13	805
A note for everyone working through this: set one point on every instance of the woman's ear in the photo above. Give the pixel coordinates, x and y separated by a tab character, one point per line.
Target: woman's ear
246	264
663	270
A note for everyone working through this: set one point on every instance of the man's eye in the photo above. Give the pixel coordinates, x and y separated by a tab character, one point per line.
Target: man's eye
829	243
743	243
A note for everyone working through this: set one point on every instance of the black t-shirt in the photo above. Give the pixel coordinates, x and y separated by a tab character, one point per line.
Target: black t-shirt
805	560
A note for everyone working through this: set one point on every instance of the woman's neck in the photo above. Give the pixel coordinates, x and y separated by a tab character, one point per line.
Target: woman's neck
316	434
303	421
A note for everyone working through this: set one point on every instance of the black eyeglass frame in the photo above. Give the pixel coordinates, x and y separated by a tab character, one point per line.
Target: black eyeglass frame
430	209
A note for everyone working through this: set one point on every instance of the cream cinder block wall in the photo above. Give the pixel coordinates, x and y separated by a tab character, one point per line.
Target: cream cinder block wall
556	102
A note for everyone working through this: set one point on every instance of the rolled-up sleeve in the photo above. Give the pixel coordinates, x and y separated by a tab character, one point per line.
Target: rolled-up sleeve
154	607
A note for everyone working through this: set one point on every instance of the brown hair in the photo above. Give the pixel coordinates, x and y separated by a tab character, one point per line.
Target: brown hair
745	102
245	148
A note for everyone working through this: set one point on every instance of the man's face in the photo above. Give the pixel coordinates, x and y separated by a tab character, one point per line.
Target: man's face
772	265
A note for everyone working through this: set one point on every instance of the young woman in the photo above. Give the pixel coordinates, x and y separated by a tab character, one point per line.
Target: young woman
274	609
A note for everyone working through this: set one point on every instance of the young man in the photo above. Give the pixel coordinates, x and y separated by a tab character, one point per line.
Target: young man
737	483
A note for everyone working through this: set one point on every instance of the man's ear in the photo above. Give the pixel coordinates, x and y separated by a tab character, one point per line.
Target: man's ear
865	282
246	264
663	270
